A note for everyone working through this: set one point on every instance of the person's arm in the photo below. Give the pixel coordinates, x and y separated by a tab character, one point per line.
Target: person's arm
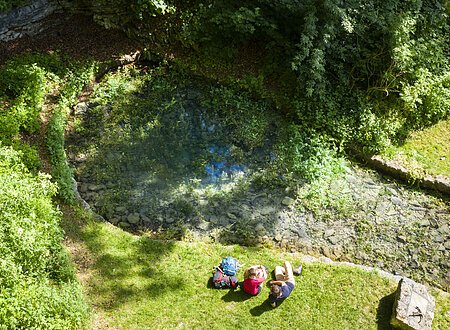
260	279
262	272
272	282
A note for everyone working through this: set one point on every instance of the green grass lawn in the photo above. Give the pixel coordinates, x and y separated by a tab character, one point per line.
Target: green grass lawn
135	282
426	151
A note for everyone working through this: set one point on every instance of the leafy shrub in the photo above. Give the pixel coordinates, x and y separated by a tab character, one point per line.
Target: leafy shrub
75	80
367	72
29	155
25	81
31	213
311	166
23	87
134	17
6	5
33	304
307	155
427	100
61	171
222	22
37	284
76	77
245	117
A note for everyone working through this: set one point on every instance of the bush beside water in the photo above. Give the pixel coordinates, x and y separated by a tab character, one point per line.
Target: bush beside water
37	282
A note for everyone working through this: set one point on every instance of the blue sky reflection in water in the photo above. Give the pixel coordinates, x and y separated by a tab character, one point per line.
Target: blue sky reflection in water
221	171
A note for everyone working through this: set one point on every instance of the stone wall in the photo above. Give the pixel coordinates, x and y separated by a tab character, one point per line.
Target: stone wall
437	182
27	20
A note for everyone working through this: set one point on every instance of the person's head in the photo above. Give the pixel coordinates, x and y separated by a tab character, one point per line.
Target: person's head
275	290
252	271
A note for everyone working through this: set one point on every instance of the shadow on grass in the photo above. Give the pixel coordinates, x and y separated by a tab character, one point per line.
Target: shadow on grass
236	295
129	267
384	312
261	309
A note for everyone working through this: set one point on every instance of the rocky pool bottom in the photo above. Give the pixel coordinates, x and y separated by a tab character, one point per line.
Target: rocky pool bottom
391	226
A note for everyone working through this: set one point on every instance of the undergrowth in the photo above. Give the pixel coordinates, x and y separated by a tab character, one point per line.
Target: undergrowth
37	282
73	83
38	288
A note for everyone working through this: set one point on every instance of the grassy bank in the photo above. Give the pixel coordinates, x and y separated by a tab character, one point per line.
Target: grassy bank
426	151
38	288
135	282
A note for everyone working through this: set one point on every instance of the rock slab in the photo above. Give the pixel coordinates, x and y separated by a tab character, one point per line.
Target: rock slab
413	306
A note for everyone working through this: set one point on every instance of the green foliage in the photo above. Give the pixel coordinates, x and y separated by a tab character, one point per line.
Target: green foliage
381	67
428	100
222	22
31	212
37	284
6	5
25	81
245	118
312	166
134	17
42	305
76	78
308	155
61	171
29	155
22	88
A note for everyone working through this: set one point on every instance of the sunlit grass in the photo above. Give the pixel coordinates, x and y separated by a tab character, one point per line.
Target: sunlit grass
442	312
426	151
135	282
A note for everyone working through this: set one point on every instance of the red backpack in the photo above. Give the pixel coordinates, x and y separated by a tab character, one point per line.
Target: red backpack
223	281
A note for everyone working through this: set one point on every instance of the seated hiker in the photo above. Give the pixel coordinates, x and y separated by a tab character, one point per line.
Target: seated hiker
253	279
282	287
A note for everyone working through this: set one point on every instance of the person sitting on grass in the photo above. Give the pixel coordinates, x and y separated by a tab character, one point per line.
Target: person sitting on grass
253	279
284	283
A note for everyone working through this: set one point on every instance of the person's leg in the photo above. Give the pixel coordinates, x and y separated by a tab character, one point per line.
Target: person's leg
289	272
279	273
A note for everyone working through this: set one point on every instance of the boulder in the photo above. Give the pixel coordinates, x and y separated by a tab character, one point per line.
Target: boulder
267	210
133	218
287	201
413	307
260	228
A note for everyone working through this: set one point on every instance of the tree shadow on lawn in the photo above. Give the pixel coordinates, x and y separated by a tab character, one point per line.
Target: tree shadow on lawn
125	267
384	312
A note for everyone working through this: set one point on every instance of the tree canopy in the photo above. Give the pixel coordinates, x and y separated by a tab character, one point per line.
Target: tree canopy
364	72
